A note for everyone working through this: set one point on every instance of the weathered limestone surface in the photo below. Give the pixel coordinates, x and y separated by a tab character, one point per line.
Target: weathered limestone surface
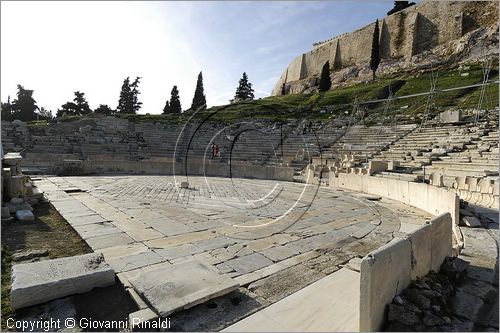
42	281
328	305
384	273
181	286
403	36
388	270
144	225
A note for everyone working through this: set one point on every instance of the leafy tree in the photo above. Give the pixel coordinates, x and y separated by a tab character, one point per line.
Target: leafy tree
166	108
244	90
129	102
68	109
104	109
175	103
400	5
324	82
199	100
24	106
375	56
7	114
79	106
45	114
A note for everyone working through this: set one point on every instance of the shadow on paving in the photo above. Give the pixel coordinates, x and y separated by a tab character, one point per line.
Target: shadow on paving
217	313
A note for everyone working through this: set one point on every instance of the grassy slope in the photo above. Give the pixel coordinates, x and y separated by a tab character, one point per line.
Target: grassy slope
338	100
297	106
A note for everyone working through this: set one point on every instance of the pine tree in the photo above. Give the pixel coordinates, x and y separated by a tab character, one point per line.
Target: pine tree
7	114
124	105
244	90
24	106
175	103
104	109
81	103
324	82
136	105
166	108
199	100
79	106
129	102
375	56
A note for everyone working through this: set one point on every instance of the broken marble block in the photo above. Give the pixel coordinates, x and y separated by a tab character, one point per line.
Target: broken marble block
181	286
25	215
470	221
42	281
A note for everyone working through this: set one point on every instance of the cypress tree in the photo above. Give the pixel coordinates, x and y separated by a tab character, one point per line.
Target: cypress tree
244	90
175	103
324	82
375	56
199	100
124	105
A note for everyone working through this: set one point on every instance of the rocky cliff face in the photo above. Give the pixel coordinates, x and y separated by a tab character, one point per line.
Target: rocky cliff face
432	31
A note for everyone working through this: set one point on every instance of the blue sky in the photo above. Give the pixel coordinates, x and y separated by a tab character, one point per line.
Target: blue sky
59	47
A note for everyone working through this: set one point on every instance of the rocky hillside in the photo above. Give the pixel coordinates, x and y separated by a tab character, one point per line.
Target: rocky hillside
437	33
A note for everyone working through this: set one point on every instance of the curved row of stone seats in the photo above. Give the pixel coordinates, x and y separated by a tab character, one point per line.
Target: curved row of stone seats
479	191
14	136
477	160
124	139
424	145
140	141
315	174
365	142
410	177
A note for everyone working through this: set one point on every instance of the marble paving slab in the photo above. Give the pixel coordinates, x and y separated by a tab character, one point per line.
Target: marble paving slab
328	305
181	286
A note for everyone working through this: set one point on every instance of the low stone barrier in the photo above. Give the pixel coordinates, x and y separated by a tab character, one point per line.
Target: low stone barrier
388	270
432	199
165	166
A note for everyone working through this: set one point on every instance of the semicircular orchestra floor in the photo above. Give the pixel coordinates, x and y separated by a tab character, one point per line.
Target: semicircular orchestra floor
273	237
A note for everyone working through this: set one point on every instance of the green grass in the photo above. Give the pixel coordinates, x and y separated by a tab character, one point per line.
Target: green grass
339	100
37	123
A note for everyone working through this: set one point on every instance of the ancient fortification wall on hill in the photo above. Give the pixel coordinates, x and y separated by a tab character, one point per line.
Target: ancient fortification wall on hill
404	34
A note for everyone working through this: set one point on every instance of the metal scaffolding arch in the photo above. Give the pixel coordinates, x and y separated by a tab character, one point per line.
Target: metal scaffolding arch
387	107
430	96
486	65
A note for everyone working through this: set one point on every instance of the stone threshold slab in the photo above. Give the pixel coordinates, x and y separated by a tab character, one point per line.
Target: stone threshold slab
328	305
